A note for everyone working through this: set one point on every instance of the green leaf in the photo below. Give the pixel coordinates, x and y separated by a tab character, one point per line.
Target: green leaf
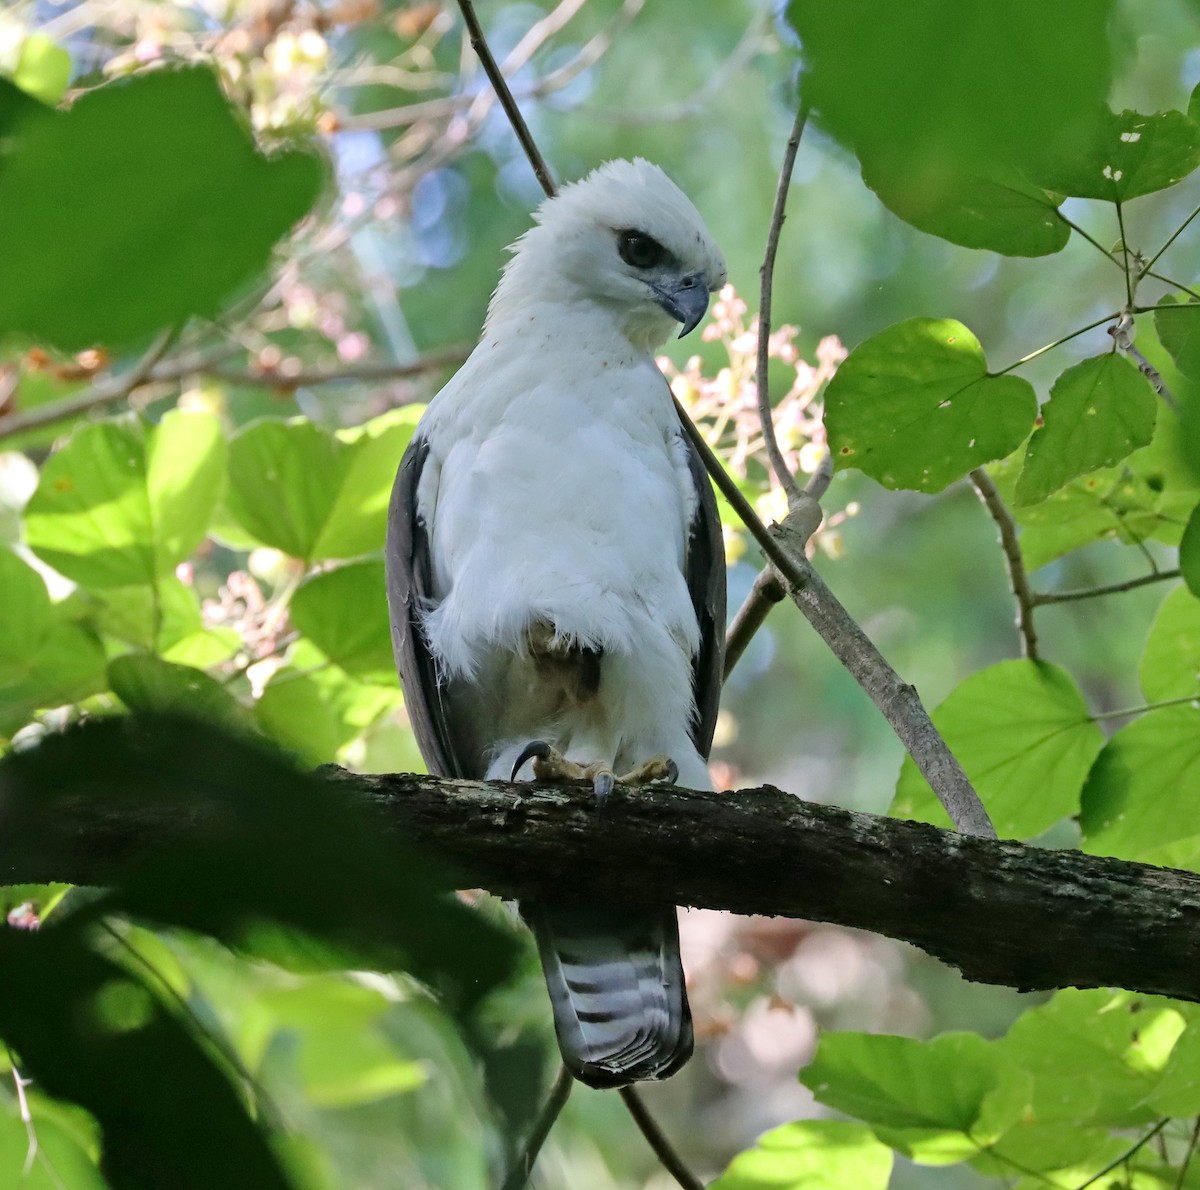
344	613
811	1155
1022	732
316	494
938	1101
1177	323
1189	552
124	502
1126	155
64	1156
914	406
1170	666
26	614
942	130
1142	797
43	69
1010	216
173	208
146	683
1178	1091
1099	411
1095	1055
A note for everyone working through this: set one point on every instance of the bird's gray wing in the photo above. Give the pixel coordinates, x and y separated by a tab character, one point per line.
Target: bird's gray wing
409	590
704	567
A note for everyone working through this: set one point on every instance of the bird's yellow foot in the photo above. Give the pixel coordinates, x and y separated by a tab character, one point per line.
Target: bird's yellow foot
657	768
551	765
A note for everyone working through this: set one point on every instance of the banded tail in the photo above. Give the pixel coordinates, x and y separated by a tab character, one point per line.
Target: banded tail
616	986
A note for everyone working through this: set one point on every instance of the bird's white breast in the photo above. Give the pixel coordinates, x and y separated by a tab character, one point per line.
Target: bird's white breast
556	489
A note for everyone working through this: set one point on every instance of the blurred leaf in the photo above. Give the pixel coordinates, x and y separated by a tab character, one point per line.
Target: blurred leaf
944	129
1170	666
1142	797
294	712
915	407
163	153
938	1101
1177	1092
26	614
90	1032
147	683
1022	732
1095	1055
43	69
124	502
344	613
316	494
1177	322
1189	552
1099	411
63	1157
241	836
811	1155
1124	156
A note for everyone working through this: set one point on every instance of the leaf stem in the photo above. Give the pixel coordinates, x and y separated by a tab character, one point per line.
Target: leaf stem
560	1092
1170	240
1192	1142
1129	287
1150	706
1094	242
1174	284
666	1155
1091	326
1125	1155
1159	576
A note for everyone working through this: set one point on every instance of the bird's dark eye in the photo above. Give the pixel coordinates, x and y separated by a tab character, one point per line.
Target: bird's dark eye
639	250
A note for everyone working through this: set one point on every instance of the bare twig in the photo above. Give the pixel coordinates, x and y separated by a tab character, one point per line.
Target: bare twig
767	276
1122	335
518	1175
1129	1152
666	1155
279	378
105	393
1026	600
480	45
1159	576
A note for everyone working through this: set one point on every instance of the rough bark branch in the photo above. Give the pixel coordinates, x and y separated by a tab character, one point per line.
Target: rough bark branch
1000	912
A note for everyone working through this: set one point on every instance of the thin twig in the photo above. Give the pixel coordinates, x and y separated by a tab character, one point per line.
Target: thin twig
767	277
518	1175
1125	1155
279	379
1017	575
1159	576
666	1155
1170	240
897	701
1187	1157
117	389
480	45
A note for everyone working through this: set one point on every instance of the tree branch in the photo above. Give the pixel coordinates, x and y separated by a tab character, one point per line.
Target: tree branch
1000	912
1018	578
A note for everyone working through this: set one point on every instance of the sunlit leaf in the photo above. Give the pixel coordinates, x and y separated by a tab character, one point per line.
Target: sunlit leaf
43	68
811	1155
1142	797
1023	733
1099	411
1189	552
172	208
344	613
1170	666
124	502
915	407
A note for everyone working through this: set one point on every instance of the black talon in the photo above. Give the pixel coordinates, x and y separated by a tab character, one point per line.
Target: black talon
538	749
602	786
672	772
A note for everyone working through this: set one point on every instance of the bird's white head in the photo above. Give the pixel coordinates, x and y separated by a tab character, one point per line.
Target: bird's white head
625	239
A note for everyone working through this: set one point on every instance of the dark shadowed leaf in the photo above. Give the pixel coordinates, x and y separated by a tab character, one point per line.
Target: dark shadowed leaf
171	208
147	683
1099	412
88	1031
915	407
229	834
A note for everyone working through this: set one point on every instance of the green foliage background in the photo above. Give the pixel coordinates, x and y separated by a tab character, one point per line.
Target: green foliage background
223	201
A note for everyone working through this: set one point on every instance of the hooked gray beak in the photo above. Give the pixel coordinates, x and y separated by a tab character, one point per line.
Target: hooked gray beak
687	302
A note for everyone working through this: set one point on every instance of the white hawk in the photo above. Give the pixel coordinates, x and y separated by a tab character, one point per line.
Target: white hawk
556	578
